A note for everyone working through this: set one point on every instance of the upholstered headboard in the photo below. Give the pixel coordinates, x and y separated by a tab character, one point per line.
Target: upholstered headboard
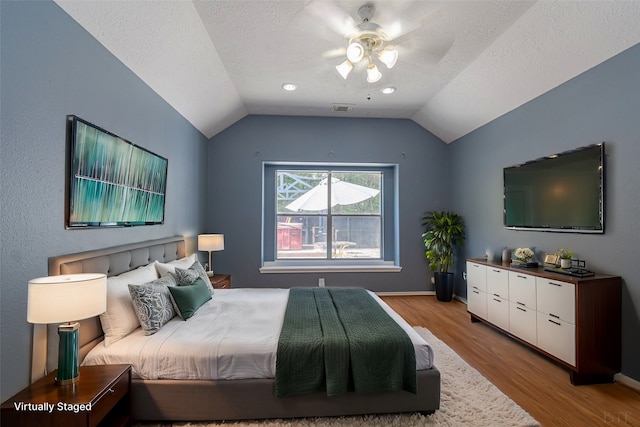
110	261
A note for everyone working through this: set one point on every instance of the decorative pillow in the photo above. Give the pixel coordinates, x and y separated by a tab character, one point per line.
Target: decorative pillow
170	267
141	274
188	299
152	303
120	319
185	277
203	274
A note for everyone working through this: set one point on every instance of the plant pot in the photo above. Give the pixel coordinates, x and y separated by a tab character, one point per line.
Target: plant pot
565	263
444	286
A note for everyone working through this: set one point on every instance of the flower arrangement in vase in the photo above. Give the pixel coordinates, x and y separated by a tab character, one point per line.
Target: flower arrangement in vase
565	256
524	258
523	254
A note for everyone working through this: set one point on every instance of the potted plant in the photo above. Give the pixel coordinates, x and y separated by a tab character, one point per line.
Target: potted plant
565	256
444	232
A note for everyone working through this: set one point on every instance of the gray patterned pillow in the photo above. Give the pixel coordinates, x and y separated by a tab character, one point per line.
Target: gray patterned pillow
188	277
152	303
185	277
203	274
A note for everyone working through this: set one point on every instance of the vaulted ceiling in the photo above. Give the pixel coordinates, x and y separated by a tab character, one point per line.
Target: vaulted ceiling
461	63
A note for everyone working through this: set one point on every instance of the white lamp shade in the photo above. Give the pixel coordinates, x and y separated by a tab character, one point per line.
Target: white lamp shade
373	74
355	52
210	242
388	57
345	68
66	298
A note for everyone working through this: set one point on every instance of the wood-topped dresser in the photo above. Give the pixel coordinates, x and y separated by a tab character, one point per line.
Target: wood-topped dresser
575	321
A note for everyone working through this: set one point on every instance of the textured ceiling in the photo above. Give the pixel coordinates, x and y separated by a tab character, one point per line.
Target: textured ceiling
462	63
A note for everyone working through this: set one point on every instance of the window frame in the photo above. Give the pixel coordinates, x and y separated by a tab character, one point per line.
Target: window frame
389	250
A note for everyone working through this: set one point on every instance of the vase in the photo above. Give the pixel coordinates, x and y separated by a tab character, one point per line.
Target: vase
490	255
444	286
565	263
506	255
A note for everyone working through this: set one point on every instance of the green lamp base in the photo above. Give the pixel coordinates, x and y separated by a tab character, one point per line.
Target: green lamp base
68	351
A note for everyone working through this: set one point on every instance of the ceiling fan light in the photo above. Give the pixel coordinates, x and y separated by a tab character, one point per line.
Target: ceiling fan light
345	68
355	52
373	74
388	57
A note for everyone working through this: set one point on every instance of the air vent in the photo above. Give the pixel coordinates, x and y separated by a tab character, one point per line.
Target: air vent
341	108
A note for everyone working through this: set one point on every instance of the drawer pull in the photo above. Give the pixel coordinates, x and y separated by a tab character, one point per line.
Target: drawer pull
521	309
521	303
476	292
553	315
497	300
496	295
555	284
522	277
554	322
496	271
474	287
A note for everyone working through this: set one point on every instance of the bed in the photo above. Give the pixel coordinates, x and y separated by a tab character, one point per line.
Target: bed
228	397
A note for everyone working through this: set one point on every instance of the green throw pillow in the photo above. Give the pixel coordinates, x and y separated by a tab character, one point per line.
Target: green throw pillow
188	299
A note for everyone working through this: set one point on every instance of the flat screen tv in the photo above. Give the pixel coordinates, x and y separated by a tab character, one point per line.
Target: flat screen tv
563	192
111	182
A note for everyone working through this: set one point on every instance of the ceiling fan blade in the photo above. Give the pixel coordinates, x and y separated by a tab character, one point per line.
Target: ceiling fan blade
399	28
335	53
428	54
331	15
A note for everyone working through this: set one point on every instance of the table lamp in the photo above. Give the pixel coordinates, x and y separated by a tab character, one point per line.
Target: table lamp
210	243
67	298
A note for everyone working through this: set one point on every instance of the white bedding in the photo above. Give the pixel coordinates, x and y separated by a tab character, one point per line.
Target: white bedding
233	336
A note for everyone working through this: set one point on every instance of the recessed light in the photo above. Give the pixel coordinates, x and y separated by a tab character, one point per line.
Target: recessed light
388	90
289	87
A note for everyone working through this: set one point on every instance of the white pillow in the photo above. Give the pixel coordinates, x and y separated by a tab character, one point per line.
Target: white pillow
120	319
170	267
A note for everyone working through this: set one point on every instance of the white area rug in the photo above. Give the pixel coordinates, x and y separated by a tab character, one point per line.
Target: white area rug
467	399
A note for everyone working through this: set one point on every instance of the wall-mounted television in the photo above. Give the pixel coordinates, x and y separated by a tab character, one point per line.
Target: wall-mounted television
563	192
111	182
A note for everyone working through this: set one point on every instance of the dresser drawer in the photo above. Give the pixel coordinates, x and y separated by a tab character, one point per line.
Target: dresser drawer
522	289
477	276
498	282
105	402
498	311
477	301
522	322
220	281
557	337
557	299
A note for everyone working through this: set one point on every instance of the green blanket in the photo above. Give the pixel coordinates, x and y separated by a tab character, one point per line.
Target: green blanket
336	340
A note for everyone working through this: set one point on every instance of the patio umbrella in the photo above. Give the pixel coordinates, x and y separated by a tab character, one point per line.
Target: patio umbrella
342	193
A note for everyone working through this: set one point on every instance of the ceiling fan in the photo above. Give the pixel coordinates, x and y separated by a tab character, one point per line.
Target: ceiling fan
368	42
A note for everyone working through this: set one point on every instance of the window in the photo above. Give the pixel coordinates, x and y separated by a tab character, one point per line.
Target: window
328	216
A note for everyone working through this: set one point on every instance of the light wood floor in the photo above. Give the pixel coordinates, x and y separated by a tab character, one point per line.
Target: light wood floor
538	385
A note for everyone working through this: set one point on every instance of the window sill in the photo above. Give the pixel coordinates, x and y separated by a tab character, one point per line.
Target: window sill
273	267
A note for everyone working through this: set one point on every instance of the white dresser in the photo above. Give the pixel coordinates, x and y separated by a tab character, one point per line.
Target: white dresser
575	321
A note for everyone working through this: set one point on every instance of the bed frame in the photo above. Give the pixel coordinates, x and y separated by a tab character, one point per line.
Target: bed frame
198	400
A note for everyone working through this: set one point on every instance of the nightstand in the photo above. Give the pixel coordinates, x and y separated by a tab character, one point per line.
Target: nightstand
220	281
101	397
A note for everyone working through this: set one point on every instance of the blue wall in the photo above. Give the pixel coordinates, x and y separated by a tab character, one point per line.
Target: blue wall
235	189
52	67
602	104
